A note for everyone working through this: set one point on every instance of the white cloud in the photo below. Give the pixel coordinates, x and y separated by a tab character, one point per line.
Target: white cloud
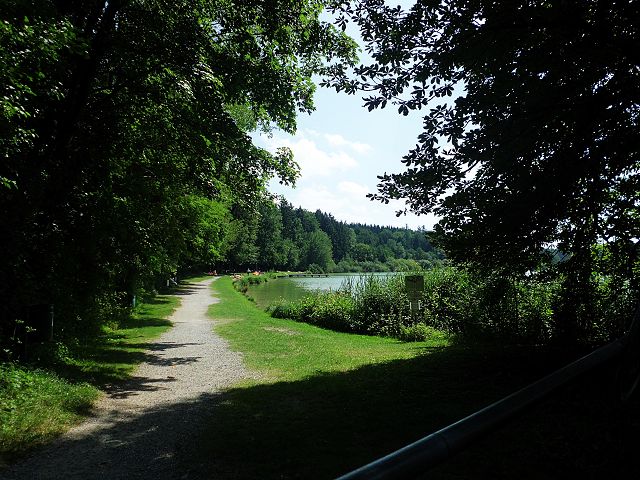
337	140
314	161
333	181
345	203
353	189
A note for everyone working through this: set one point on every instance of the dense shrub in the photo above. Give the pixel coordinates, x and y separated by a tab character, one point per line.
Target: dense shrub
487	308
242	282
301	310
370	304
449	300
284	309
381	304
605	310
333	310
420	332
453	301
615	305
404	265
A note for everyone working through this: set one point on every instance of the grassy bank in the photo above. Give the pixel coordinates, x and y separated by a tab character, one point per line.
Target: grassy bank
331	401
288	350
40	400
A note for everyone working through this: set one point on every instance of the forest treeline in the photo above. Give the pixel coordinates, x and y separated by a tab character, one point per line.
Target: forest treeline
281	237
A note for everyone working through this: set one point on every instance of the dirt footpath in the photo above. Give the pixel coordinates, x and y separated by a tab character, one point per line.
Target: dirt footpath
147	427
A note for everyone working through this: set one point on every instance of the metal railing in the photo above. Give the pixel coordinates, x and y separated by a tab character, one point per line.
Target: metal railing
418	457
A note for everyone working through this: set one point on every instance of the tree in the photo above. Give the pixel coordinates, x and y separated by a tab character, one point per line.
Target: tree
205	225
317	249
531	131
116	115
243	249
362	252
269	242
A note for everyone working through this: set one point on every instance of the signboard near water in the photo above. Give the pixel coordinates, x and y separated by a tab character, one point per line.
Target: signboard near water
414	285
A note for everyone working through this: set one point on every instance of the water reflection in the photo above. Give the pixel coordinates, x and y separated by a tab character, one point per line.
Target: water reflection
294	288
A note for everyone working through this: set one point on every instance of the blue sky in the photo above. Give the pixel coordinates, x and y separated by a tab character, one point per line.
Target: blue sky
341	148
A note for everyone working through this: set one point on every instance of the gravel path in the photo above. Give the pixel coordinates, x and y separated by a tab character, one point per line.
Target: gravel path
146	427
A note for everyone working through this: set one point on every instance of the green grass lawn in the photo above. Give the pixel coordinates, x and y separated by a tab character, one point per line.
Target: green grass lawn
284	350
39	402
329	402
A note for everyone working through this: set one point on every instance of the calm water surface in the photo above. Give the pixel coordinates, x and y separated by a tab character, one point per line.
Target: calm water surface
294	288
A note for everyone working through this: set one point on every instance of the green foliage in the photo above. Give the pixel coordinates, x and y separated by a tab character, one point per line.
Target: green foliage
420	332
37	405
370	304
242	282
450	295
315	268
42	398
381	304
49	353
317	251
521	148
124	141
206	230
455	301
333	311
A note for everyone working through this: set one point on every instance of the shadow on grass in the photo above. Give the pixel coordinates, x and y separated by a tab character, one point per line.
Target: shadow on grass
331	423
145	322
104	365
155	300
328	424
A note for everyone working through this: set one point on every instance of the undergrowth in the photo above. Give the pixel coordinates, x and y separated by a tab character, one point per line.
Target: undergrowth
56	383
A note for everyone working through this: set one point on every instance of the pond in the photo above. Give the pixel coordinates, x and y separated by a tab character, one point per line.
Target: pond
294	288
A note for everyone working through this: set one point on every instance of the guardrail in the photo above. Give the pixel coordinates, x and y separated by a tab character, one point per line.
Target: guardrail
426	453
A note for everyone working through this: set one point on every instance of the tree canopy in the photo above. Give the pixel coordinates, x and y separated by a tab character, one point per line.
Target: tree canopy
531	126
124	135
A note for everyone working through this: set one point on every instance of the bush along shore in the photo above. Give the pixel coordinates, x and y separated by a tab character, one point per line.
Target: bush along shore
454	302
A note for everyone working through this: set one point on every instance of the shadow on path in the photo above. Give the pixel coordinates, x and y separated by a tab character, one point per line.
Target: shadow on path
331	423
125	353
155	445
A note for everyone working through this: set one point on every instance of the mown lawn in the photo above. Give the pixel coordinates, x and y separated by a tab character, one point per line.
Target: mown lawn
329	402
38	401
284	350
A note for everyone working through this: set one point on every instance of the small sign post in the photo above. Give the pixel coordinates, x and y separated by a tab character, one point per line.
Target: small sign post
414	285
51	323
